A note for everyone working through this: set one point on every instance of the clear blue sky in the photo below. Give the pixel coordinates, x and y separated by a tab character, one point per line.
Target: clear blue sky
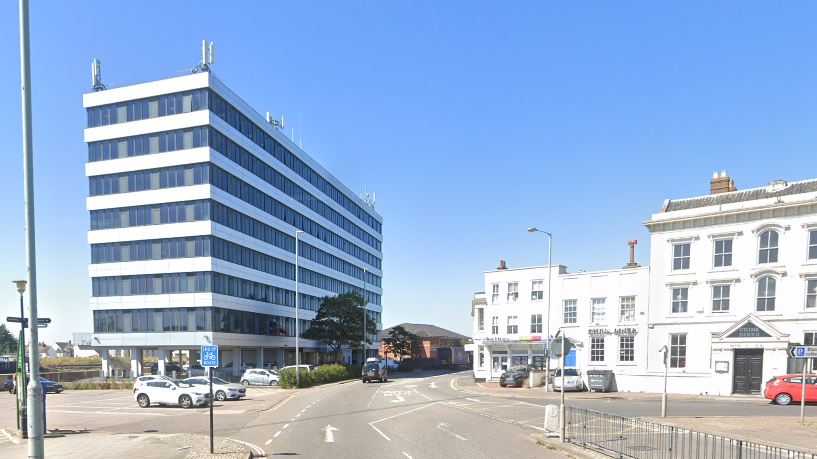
470	120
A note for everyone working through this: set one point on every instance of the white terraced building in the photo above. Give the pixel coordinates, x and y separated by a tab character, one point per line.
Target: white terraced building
195	200
732	284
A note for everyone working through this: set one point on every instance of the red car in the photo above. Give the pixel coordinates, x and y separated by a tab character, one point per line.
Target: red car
785	389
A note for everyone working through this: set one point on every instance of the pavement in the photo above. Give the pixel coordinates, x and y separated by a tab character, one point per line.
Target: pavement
783	431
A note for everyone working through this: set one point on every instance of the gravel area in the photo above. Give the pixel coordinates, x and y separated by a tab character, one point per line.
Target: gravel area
199	446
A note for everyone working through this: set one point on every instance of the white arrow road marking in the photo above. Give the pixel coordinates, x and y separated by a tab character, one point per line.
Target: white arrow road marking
442	426
399	399
413	385
473	400
432	385
330	437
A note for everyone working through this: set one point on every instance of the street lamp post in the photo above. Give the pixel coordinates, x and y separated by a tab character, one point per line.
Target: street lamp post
21	287
364	316
297	324
664	394
20	385
547	357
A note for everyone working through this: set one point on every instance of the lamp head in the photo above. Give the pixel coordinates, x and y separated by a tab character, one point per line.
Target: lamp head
21	286
532	230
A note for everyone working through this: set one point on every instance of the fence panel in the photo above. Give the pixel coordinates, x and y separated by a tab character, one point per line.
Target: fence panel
638	439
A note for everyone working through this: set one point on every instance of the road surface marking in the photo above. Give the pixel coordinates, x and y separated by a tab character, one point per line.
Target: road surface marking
442	426
426	396
473	400
396	415
432	385
276	434
330	437
452	384
11	439
268	442
406	454
293	420
399	399
286	425
303	410
256	448
412	385
381	433
298	415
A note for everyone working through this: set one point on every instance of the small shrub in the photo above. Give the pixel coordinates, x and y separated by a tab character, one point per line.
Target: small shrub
288	378
330	373
104	385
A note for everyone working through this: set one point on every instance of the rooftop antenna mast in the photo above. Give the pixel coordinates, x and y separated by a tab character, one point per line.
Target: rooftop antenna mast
275	123
96	72
206	61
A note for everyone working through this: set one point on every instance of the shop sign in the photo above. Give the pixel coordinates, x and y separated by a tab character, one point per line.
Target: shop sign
748	330
598	331
626	331
489	340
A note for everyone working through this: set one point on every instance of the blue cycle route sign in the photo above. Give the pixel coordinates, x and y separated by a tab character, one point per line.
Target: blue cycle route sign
209	356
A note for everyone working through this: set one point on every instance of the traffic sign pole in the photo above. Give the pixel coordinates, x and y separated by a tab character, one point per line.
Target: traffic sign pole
209	359
803	395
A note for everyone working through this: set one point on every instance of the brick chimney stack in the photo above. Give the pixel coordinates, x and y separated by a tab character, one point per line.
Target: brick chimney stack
501	265
721	184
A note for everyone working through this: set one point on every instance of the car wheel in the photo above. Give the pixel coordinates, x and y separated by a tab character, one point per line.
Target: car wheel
273	383
364	380
185	401
782	399
220	396
245	383
502	384
143	400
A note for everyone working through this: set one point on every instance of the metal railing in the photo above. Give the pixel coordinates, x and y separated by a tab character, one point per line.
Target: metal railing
635	438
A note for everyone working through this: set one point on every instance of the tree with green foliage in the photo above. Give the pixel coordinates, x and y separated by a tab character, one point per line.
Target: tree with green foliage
8	343
339	322
402	342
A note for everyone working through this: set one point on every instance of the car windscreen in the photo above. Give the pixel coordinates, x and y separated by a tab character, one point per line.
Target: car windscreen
518	368
219	381
181	384
371	367
568	372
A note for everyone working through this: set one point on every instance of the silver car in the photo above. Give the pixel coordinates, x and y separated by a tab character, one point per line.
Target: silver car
222	390
573	380
262	377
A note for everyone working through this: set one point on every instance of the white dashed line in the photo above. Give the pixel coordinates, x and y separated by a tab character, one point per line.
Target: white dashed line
11	438
268	442
286	425
303	410
298	415
276	434
406	454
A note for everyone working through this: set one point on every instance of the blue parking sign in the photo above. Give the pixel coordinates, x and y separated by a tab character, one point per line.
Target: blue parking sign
209	356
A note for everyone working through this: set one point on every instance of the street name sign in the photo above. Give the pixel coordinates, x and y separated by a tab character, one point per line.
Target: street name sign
209	356
803	352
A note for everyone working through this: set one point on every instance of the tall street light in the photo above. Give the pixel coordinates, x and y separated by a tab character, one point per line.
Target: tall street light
297	324
364	315
547	357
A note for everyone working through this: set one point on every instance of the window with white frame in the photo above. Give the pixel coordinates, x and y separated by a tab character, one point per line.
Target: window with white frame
513	292
811	293
481	359
680	300
723	253
678	350
680	256
495	325
536	292
536	323
597	349
766	287
809	338
570	311
626	349
494	293
480	319
597	310
720	298
767	248
627	312
513	328
812	244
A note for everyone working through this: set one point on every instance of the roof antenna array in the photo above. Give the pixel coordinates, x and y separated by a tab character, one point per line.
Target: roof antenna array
275	123
206	61
365	197
96	72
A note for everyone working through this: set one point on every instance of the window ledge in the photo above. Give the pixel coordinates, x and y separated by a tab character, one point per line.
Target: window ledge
768	314
677	316
808	311
720	314
625	364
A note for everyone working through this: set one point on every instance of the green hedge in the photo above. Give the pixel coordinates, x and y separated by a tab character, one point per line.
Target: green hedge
321	375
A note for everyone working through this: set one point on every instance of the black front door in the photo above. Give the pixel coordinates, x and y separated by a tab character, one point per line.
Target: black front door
748	371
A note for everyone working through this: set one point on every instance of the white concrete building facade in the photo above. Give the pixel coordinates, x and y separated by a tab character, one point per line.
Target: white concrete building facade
732	284
195	200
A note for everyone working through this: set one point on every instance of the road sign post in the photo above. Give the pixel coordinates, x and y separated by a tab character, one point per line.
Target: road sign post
209	359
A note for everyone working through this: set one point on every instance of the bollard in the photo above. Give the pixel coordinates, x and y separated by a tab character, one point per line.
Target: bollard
24	421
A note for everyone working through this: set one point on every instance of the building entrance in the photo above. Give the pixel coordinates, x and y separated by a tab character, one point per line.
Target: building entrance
748	371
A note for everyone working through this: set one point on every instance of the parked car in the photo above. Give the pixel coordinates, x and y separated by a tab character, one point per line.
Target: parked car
573	380
270	366
262	377
169	368
303	367
49	386
196	369
374	370
789	388
390	363
171	392
515	375
222	390
228	368
142	380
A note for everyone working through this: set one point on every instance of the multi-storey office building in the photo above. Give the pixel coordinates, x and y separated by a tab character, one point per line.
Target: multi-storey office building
195	200
732	284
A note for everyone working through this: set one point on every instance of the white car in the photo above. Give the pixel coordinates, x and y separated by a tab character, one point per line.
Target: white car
303	367
172	392
142	380
262	377
573	380
222	390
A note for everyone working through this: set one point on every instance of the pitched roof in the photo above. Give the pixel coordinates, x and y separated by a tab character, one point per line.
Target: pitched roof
424	331
781	189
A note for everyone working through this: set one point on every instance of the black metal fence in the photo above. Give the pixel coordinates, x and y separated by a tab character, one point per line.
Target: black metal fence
8	367
635	438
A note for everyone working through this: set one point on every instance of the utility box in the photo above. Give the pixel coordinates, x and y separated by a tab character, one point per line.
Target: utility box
599	380
552	418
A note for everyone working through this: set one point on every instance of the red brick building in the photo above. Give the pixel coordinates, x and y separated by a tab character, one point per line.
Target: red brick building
431	338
